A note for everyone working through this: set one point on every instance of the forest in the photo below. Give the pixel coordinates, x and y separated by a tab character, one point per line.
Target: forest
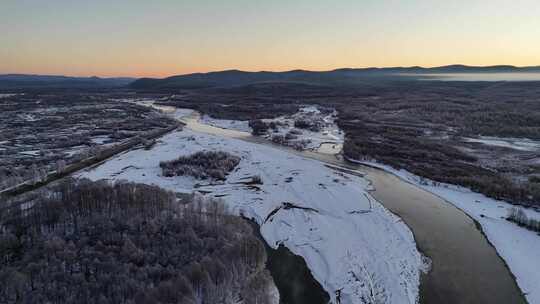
95	242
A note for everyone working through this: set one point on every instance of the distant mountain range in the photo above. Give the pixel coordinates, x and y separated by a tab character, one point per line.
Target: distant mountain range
455	68
339	76
22	81
231	78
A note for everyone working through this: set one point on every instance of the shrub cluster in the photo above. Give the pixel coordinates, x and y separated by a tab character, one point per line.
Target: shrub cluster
309	124
258	127
201	165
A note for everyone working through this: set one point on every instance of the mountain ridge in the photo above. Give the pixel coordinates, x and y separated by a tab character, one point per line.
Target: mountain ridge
234	77
17	81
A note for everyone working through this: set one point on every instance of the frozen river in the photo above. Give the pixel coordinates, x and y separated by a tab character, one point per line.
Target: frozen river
465	267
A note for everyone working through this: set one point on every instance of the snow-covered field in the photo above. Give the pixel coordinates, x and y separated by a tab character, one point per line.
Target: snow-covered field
349	241
518	247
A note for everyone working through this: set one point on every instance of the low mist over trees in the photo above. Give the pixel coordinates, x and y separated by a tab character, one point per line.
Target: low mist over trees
201	165
95	242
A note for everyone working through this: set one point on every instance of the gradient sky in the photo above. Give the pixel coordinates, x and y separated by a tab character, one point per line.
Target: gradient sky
161	38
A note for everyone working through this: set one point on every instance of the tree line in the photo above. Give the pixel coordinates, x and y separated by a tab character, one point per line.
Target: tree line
518	216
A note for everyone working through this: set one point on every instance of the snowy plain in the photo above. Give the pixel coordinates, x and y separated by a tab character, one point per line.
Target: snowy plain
517	246
349	241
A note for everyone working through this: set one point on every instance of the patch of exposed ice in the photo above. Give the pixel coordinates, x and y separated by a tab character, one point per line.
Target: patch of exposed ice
239	125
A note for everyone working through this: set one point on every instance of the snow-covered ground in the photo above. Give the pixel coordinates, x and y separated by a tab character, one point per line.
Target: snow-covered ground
311	234
239	125
518	246
31	152
6	95
101	139
28	117
522	144
349	241
329	137
181	113
329	131
75	150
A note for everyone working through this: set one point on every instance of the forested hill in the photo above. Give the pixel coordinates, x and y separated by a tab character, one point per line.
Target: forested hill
340	76
24	81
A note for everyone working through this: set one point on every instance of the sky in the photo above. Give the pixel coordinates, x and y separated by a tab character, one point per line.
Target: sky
164	37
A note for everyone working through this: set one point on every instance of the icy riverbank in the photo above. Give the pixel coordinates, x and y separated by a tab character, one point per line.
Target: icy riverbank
354	247
239	125
517	246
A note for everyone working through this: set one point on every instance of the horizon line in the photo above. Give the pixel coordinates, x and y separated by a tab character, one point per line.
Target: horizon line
269	71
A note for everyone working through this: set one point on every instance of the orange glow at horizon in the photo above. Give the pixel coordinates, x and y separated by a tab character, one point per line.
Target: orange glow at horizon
163	38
